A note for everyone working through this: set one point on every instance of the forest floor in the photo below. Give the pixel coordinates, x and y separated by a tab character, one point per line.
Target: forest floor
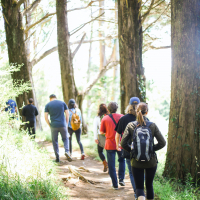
91	170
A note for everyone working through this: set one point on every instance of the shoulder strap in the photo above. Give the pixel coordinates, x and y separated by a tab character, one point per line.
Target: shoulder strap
148	124
110	115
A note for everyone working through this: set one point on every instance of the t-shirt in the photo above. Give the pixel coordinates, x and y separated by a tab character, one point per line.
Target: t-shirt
71	111
121	125
56	110
108	127
11	106
30	111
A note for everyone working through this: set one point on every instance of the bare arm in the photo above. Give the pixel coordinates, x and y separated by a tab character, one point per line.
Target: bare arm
117	136
16	110
46	118
67	116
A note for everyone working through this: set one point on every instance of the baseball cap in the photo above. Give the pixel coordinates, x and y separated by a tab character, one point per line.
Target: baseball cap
52	96
134	101
72	101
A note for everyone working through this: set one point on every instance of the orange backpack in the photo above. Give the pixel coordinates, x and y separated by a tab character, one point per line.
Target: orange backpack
75	121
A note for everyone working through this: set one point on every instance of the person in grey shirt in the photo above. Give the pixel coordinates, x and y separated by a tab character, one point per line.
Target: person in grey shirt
56	109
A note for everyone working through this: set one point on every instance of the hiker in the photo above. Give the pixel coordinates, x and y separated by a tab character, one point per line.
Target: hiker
30	112
120	128
74	126
141	134
56	109
11	108
108	124
103	111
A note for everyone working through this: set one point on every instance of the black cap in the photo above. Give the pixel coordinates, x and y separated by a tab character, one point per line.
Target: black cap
72	101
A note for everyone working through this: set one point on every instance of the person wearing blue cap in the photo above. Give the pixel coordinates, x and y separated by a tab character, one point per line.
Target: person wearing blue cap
11	108
120	128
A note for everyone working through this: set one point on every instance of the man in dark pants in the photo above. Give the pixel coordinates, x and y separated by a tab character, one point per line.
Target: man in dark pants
30	112
56	109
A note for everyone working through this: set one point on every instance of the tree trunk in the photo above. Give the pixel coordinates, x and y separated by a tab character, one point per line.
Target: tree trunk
16	47
66	63
183	152
130	47
28	51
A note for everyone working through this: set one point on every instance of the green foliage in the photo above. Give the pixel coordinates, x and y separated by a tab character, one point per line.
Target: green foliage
26	171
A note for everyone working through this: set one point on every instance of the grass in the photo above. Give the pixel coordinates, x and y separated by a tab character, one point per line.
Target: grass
26	172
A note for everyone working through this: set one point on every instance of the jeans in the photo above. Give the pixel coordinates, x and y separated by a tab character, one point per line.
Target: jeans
128	162
100	152
78	139
31	128
65	139
138	174
111	166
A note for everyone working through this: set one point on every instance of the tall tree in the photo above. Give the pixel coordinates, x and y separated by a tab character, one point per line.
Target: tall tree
130	48
183	151
16	46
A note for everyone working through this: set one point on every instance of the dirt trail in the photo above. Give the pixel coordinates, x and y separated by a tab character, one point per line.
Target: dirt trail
80	190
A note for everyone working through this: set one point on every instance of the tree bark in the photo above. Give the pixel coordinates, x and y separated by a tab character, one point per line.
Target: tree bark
132	79
16	47
183	151
66	63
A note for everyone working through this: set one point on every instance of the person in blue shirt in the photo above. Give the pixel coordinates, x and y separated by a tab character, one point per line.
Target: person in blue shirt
56	109
11	108
73	109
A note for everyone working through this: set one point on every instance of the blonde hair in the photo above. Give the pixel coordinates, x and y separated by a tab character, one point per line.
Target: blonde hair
141	110
130	109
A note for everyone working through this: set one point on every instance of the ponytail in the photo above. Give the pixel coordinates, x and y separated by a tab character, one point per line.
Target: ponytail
141	110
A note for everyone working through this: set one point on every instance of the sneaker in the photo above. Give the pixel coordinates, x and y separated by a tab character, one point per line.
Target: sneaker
82	156
56	160
68	157
121	182
115	188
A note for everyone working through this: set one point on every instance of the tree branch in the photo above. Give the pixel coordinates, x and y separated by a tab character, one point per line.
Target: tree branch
31	7
77	48
82	25
19	3
101	73
34	24
156	19
45	54
162	47
95	40
89	4
148	11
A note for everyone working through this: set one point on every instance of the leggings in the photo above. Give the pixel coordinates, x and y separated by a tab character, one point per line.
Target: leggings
138	174
101	154
78	139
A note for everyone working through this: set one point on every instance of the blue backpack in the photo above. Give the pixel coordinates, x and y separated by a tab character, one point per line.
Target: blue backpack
142	143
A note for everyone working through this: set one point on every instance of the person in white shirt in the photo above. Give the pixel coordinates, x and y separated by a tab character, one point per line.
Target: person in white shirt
97	122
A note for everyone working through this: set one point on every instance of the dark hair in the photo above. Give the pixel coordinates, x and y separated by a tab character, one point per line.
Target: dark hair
141	109
30	100
52	96
72	104
112	107
102	110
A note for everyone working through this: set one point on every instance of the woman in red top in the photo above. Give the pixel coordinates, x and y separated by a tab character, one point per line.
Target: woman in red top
108	124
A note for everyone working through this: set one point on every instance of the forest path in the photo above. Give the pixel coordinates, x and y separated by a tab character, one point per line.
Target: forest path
79	190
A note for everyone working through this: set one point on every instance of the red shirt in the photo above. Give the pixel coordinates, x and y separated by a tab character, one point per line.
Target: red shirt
108	127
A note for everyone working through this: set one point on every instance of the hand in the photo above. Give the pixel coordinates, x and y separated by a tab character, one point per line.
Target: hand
96	141
118	147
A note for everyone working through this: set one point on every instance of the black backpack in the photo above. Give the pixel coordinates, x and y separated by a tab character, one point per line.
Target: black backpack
142	142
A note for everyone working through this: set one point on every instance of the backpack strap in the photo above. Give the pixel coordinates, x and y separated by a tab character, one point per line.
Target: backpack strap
110	115
148	123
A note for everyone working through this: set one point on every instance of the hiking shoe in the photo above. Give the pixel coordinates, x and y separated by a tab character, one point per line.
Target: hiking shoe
115	188
121	182
82	156
68	157
56	160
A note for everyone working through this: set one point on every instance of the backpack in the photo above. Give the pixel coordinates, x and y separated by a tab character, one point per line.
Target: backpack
142	143
75	121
